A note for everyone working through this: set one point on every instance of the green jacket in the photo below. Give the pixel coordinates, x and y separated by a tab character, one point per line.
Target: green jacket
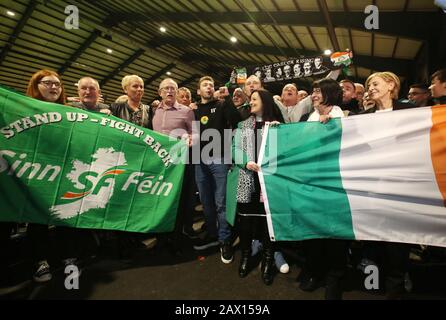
240	157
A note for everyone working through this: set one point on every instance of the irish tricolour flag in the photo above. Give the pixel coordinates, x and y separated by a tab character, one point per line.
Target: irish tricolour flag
378	176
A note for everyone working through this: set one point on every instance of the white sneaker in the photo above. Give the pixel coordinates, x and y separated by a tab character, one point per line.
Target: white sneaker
281	264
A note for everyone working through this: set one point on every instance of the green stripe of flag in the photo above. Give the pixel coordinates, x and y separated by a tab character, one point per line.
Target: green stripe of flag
303	182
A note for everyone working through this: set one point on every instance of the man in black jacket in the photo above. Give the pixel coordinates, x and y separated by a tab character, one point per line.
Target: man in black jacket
216	118
419	94
349	101
438	86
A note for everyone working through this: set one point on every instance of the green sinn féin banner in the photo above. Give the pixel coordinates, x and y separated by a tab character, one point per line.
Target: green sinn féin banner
65	166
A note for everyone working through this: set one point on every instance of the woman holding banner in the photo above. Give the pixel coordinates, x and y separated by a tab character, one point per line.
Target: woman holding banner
134	111
46	85
383	88
326	259
250	207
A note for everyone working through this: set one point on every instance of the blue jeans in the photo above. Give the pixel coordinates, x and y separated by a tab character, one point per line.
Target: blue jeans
211	183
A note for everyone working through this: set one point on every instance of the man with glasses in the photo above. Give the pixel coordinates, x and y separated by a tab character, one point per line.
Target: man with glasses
175	120
419	95
89	93
172	118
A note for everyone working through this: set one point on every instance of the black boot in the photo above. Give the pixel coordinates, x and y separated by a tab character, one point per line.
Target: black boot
268	266
243	270
333	289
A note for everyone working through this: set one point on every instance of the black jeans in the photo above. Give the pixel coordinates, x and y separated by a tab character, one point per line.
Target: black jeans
252	226
326	257
68	242
5	244
39	243
394	258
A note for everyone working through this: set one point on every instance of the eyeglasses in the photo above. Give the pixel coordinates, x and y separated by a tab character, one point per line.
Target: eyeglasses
168	88
50	84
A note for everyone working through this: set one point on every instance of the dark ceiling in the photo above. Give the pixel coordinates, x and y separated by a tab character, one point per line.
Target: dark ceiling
409	41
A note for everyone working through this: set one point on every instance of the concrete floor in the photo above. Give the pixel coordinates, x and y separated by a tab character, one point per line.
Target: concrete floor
157	274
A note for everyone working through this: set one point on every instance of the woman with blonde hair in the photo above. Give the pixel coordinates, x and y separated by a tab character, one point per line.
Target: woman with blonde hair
383	88
133	110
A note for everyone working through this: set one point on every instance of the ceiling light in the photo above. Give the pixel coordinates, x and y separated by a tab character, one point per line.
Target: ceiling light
327	52
233	39
169	73
162	29
10	13
110	51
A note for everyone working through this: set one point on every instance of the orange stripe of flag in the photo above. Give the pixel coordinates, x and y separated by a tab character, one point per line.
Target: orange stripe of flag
116	171
72	195
438	147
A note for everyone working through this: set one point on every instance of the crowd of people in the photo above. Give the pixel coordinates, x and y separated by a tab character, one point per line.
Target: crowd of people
245	110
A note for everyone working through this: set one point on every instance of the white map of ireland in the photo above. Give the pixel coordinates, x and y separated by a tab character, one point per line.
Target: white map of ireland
106	159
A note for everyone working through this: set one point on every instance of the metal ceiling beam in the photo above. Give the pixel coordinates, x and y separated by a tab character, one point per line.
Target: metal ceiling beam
159	74
352	46
188	80
93	36
34	57
22	22
372	50
416	25
129	39
124	65
252	19
181	43
399	66
296	5
331	31
193	57
439	61
275	26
